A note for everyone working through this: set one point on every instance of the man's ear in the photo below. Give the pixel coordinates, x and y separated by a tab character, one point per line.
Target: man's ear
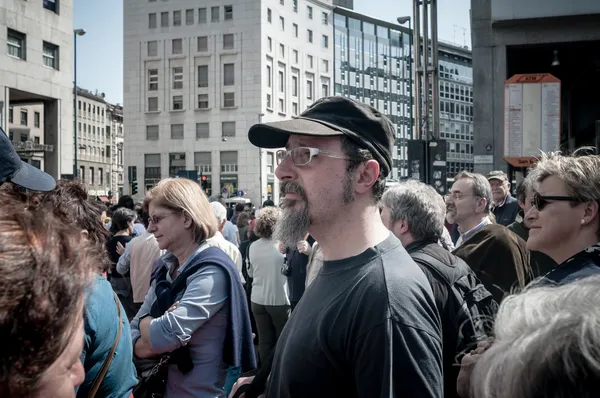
367	176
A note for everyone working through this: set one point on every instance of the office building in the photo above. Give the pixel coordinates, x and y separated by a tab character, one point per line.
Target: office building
36	67
555	37
26	131
196	79
373	64
114	129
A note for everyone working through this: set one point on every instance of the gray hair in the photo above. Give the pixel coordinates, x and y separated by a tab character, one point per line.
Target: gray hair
481	187
547	344
419	205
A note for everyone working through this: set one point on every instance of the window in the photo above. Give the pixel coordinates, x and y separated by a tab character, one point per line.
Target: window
281	50
228	11
325	65
309	89
82	173
178	78
92	173
203	76
229	160
10	114
36	140
152	104
294	109
295	29
152	166
295	53
281	81
152	48
228	129
282	2
202	43
325	18
101	175
36	119
269	105
325	41
176	163
152	20
189	17
201	15
295	5
177	102
269	76
177	131
177	46
282	23
309	59
324	90
153	80
23	117
309	12
309	35
203	162
177	18
269	44
228	75
16	44
268	15
202	101
295	86
202	130
50	5
228	41
164	19
228	100
281	105
214	14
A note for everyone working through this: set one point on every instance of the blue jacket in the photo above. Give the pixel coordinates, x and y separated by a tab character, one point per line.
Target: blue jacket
101	328
583	264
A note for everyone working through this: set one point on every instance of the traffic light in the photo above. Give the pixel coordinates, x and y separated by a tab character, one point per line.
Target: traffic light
134	188
204	183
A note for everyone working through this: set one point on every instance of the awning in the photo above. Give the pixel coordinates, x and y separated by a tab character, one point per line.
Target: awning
104	199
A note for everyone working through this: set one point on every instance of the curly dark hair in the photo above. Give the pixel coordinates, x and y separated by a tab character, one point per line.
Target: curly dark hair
69	202
266	221
45	268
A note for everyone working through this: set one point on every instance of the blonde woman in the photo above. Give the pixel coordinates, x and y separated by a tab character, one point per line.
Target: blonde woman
195	313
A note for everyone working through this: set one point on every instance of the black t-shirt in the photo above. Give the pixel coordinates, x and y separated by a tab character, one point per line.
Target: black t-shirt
111	247
366	327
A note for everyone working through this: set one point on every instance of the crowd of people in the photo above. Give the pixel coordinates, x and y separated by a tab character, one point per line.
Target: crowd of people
345	289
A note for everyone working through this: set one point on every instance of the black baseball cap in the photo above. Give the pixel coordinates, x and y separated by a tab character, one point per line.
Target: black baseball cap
13	169
334	116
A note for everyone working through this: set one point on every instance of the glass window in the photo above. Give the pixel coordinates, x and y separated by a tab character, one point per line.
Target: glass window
152	20
295	30
269	76
152	48
202	101
309	89
50	54
202	43
228	41
164	19
309	12
177	131
177	102
325	41
189	17
177	46
152	79
202	130
295	5
152	104
228	11
178	78
309	35
214	14
282	23
177	18
201	15
228	75
228	129
269	15
325	18
152	132
203	76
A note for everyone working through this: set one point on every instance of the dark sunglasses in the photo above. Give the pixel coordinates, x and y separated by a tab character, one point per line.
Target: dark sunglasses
540	201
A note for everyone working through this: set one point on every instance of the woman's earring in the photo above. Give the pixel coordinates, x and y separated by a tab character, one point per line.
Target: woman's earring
582	221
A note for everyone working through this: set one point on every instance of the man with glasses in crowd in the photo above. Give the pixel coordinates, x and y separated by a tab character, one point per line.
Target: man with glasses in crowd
367	326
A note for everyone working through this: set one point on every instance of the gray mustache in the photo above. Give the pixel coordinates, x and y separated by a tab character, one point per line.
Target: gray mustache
292	187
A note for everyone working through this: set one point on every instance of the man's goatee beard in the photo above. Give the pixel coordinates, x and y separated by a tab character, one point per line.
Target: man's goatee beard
293	224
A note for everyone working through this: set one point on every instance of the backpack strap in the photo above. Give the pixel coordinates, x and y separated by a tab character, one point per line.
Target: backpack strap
111	354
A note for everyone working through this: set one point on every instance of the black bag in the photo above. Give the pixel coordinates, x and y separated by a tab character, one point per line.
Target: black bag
476	307
152	377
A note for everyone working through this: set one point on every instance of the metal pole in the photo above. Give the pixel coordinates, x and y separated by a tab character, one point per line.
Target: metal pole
418	69
260	176
435	85
75	167
425	115
410	78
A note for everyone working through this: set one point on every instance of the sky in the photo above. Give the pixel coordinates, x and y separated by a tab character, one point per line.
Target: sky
100	51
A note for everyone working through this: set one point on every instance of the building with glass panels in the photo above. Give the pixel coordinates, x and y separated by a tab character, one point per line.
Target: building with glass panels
373	65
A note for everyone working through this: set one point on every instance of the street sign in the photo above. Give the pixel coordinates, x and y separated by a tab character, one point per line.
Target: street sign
240	193
483	159
224	190
532	116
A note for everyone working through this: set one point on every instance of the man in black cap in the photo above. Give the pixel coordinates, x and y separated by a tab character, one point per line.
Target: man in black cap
367	326
13	169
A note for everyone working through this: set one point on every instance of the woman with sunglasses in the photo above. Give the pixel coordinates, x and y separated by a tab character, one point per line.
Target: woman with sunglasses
564	218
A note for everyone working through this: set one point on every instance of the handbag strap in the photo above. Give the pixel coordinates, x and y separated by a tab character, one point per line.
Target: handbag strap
111	354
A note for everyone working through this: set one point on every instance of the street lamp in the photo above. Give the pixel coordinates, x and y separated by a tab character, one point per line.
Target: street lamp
76	32
402	21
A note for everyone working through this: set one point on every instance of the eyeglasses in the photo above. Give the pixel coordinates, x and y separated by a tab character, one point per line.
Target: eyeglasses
156	219
540	201
457	195
302	156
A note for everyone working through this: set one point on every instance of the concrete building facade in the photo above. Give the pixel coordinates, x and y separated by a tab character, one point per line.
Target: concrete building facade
543	36
196	79
114	129
26	131
36	67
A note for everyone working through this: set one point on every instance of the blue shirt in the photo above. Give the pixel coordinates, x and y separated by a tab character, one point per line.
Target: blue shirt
101	328
200	322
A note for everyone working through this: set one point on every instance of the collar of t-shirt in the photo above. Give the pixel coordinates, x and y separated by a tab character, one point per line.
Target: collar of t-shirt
330	267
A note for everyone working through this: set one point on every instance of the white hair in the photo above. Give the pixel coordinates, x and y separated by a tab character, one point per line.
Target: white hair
219	211
547	344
